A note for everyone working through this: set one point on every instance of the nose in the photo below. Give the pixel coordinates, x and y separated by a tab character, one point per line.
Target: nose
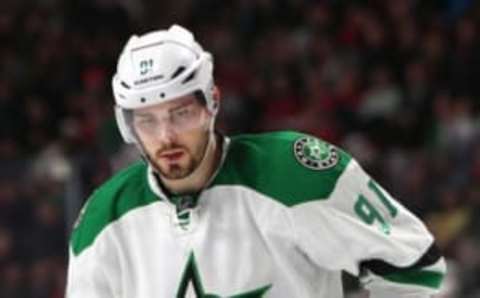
166	134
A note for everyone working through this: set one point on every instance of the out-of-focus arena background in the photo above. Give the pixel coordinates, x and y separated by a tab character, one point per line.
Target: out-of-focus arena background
396	83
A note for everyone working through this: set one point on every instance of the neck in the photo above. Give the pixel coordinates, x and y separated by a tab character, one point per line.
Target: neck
202	174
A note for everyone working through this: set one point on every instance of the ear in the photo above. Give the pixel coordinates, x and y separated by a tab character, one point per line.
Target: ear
216	95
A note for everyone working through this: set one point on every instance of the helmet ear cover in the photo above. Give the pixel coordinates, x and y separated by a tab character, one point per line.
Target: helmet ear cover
206	98
124	119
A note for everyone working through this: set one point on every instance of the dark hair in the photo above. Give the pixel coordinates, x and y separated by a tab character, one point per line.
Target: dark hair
201	97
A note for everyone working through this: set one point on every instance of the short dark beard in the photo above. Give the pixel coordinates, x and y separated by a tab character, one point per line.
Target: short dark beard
177	172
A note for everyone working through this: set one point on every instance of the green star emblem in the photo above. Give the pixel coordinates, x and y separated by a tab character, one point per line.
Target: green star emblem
316	150
191	276
315	154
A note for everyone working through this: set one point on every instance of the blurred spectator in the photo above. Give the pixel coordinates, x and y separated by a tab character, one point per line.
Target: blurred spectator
13	281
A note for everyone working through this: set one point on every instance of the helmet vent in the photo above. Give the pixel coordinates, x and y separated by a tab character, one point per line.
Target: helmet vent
178	72
125	85
190	77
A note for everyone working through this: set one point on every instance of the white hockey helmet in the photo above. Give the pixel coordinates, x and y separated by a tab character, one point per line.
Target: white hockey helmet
157	67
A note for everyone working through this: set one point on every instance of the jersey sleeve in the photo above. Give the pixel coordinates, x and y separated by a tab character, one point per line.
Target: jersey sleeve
92	268
88	277
360	228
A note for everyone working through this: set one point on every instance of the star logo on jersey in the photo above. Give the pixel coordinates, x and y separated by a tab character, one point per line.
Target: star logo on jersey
192	283
315	154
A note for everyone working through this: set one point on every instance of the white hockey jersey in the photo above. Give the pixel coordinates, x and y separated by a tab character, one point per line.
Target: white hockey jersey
284	214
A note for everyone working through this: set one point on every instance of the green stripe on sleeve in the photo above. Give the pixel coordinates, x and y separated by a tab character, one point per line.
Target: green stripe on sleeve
426	278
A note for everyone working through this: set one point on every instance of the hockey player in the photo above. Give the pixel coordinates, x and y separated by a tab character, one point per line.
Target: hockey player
204	215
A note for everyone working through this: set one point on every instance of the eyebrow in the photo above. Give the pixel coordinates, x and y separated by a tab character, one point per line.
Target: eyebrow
147	114
185	104
142	114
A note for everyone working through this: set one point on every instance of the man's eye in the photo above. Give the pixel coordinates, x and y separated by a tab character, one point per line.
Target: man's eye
146	122
185	112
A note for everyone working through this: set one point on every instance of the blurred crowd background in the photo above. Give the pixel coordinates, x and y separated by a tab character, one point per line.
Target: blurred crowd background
396	83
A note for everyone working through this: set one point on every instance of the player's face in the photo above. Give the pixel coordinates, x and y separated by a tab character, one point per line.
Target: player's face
174	135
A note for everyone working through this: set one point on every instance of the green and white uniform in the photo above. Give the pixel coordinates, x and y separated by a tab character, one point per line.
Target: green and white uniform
284	214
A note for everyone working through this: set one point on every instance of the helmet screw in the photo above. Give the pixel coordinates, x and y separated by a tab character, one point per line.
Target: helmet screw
142	99
162	95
